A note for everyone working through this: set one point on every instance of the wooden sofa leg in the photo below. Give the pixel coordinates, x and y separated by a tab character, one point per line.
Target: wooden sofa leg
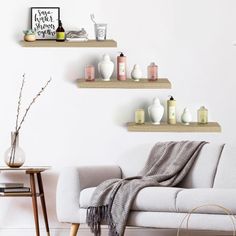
74	229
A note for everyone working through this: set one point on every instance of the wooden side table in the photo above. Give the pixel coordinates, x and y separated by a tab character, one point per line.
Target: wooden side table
32	172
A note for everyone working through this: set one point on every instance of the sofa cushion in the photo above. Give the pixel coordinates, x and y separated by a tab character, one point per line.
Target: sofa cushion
203	171
188	199
226	171
148	199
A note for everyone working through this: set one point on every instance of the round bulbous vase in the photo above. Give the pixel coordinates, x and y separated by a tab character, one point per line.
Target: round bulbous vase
156	111
136	73
106	68
14	156
186	117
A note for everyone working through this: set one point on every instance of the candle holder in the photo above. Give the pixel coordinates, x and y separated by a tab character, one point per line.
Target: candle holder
89	73
140	116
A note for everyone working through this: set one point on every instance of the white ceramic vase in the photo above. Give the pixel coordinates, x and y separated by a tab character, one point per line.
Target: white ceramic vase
106	67
156	111
186	117
136	73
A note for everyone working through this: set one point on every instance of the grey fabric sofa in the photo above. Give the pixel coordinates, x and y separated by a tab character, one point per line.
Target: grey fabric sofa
212	180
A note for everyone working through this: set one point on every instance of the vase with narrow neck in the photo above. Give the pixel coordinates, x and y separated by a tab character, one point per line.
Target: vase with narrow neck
14	155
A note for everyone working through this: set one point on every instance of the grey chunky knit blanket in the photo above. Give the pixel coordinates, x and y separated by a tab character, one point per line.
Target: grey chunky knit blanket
167	165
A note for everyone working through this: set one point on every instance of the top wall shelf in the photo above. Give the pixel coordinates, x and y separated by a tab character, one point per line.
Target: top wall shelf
85	44
127	84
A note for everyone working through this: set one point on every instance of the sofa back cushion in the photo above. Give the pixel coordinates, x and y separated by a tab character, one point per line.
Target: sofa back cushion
201	174
203	171
226	171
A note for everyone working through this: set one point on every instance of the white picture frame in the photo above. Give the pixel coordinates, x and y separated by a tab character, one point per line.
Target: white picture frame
44	21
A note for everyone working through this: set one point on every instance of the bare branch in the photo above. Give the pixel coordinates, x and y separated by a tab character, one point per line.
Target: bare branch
30	105
19	102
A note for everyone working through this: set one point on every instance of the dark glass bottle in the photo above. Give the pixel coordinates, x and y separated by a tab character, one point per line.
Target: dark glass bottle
60	33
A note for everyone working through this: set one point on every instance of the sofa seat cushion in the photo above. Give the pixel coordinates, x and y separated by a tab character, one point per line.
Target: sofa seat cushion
188	199
162	199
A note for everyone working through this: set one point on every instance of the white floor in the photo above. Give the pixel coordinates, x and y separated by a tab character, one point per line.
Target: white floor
129	232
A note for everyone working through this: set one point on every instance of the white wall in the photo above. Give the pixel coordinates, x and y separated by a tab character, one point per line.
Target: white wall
190	40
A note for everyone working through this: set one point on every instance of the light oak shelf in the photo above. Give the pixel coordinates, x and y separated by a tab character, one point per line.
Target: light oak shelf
179	127
23	194
127	84
85	44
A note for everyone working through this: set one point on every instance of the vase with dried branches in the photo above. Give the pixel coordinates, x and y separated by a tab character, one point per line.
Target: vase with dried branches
15	156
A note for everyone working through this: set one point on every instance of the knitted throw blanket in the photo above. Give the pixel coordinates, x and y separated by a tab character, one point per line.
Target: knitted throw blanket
167	165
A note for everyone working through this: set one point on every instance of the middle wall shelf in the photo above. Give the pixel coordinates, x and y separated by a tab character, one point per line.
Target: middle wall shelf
127	84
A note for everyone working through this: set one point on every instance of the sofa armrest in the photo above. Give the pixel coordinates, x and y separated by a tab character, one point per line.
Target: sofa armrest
72	180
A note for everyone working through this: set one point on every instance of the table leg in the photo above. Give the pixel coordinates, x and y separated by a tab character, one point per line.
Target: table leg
42	198
34	201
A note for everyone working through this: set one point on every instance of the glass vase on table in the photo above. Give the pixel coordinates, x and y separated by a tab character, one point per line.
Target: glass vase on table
14	156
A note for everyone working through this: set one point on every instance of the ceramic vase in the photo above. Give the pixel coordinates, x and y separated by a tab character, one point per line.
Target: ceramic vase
14	155
136	73
30	37
106	67
186	117
156	111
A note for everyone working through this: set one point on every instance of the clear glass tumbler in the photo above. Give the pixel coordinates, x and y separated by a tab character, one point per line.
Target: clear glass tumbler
100	31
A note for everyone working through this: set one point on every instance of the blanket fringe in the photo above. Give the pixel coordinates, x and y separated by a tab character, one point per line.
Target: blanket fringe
98	215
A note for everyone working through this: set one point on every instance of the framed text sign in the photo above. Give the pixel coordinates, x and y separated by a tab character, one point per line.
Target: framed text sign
44	21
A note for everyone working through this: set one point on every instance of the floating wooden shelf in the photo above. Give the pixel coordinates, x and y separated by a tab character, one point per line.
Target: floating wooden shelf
179	127
23	194
85	44
127	84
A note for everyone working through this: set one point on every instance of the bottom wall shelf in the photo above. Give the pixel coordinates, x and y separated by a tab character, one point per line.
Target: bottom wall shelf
179	127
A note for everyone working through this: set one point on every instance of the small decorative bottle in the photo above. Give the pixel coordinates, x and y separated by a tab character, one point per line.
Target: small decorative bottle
152	72
60	33
202	115
14	156
121	67
171	111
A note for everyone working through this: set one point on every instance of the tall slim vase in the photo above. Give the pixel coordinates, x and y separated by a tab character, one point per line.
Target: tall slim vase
14	156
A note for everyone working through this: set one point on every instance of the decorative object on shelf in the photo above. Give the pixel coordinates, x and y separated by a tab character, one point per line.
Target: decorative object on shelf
89	73
106	67
77	35
202	115
186	116
121	67
136	73
44	21
140	116
29	35
14	156
100	29
156	111
171	111
152	72
60	33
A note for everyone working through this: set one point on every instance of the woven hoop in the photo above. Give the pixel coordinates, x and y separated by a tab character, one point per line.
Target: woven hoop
225	210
